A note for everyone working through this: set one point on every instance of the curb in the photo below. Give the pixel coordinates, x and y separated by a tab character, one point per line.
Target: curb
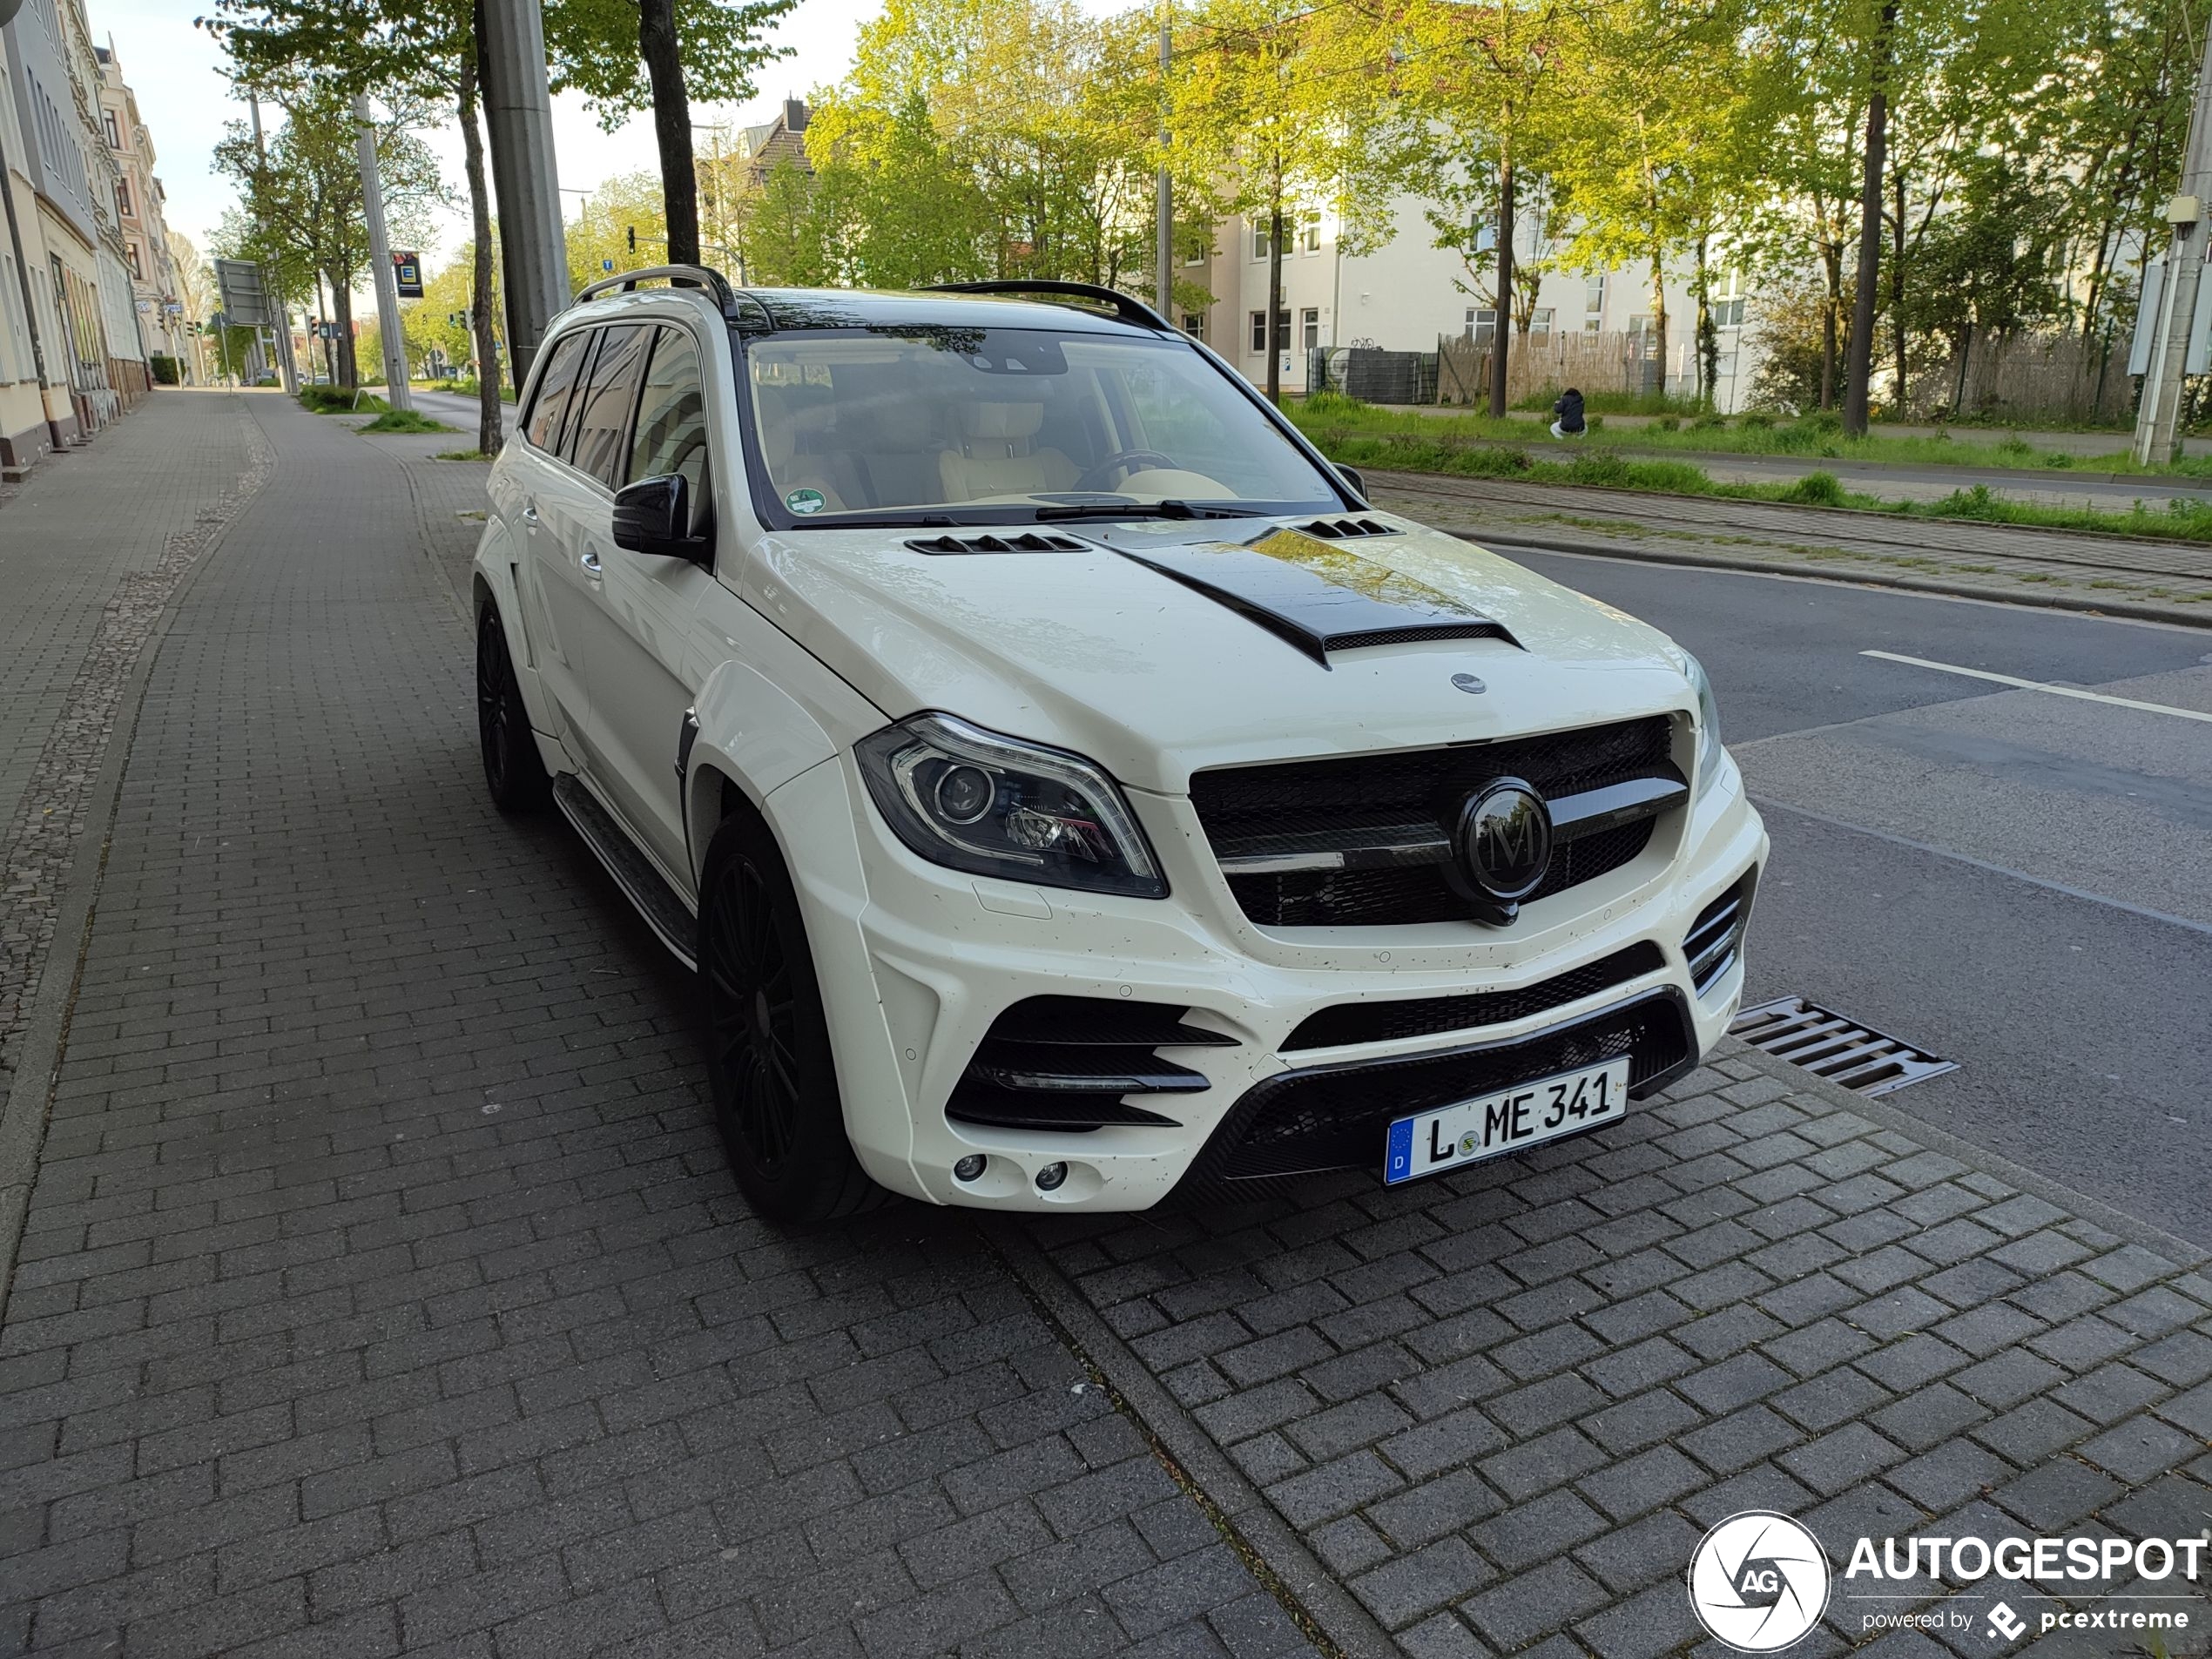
2131	609
45	1028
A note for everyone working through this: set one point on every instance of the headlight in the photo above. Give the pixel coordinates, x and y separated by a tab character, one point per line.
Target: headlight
1708	726
971	799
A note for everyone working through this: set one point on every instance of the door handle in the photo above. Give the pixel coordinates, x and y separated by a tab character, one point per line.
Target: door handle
591	562
529	513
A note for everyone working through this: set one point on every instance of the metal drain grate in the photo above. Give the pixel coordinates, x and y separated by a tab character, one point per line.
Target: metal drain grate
1833	1046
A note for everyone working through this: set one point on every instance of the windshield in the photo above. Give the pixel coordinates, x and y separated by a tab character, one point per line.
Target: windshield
991	424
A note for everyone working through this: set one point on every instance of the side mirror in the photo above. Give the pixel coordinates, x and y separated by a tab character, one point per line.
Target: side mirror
654	517
1350	476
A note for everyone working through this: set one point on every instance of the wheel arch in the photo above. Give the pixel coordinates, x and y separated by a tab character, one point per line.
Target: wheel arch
753	737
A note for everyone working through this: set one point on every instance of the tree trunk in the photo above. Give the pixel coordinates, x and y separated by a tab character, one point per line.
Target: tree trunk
1274	332
346	371
1832	258
1659	313
1500	336
679	184
489	436
1708	343
1897	296
1859	368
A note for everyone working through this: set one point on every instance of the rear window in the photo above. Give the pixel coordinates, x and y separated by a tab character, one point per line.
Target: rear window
550	404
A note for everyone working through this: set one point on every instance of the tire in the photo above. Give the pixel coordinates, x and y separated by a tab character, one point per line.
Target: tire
513	769
776	1099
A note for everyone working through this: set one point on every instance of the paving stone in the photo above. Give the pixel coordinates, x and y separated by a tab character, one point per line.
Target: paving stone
1420	1582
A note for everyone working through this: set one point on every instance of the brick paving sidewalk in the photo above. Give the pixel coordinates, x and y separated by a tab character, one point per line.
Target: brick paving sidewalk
1503	1406
384	1289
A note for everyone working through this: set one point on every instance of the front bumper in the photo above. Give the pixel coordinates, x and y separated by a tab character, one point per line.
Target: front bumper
915	963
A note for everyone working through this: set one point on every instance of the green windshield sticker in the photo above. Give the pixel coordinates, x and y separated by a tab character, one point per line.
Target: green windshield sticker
805	501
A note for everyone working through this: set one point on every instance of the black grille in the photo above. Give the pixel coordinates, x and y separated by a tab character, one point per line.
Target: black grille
1065	1063
1417	893
1717	935
1334	1118
1373	799
1387	1021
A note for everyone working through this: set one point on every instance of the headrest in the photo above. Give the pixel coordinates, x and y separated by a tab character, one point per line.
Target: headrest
1001	420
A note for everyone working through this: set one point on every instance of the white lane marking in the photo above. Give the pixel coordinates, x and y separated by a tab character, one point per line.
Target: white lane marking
2039	686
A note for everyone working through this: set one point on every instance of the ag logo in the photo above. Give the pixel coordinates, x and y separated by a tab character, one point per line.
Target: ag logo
1758	1581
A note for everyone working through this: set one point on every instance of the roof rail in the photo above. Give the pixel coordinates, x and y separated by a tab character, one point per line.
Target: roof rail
698	276
1127	309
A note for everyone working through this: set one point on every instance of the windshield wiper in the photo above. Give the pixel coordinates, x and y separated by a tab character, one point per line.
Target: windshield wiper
1140	510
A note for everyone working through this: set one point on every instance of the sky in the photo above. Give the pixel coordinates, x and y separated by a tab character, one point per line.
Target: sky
175	68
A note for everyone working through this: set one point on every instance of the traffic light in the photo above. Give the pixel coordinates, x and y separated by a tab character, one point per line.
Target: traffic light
632	229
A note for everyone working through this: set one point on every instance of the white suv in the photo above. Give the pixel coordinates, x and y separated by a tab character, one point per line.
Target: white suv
1069	791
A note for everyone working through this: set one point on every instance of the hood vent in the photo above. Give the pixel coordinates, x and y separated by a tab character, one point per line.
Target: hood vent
1027	541
1337	530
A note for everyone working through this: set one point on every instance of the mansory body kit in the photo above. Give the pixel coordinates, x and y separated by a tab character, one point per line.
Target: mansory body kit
1066	787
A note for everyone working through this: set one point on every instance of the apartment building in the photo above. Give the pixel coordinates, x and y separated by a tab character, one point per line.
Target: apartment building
1407	294
142	225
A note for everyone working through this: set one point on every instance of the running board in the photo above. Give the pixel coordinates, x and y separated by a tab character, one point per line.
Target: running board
665	912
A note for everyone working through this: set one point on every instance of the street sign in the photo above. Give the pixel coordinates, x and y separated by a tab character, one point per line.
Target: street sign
606	265
246	299
408	266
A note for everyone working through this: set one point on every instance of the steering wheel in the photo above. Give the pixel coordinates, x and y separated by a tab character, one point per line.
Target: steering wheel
1096	477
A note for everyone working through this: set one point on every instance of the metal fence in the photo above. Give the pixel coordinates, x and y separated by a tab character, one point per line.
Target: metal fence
1373	376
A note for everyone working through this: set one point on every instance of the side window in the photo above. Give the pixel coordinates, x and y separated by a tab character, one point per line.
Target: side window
671	421
602	412
551	401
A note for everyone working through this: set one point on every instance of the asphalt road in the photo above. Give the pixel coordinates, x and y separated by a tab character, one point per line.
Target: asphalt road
2018	882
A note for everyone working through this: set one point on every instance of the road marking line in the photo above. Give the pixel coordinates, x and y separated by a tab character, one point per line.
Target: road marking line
2039	686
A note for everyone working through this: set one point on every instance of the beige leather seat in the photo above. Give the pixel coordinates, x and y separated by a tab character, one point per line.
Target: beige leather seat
997	454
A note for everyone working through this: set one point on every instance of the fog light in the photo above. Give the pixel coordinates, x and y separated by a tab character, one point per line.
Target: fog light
970	1168
1050	1176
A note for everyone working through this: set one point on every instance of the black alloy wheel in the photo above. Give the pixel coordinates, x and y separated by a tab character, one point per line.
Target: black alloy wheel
776	1097
513	771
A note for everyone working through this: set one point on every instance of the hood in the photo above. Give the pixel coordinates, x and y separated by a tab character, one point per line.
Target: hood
1126	647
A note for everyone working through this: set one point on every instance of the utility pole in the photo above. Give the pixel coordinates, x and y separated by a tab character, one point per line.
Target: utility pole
290	369
397	392
518	115
2158	421
1163	227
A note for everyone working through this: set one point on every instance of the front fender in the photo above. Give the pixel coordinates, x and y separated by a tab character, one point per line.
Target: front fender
751	733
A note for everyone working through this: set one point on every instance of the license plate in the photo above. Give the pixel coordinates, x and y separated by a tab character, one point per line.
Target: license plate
1446	1137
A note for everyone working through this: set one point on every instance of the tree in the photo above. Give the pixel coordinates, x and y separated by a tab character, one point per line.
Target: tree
1480	93
620	222
408	50
626	56
1278	107
301	212
1673	162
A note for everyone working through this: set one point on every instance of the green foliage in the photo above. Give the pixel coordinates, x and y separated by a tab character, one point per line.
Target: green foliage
339	400
163	370
405	421
1816	489
592	47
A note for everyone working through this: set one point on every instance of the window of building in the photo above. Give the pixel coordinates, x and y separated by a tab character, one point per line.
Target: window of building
1594	305
1259	329
1309	233
1198	254
1481	324
1540	322
1261	245
1727	307
123	198
1639	325
1310	327
1194	324
138	269
114	133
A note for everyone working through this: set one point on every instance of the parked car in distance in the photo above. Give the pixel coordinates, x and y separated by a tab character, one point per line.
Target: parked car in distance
1067	789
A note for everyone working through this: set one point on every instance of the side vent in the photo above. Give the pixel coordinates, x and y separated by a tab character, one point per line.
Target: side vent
1714	938
1065	1063
1027	541
1339	530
